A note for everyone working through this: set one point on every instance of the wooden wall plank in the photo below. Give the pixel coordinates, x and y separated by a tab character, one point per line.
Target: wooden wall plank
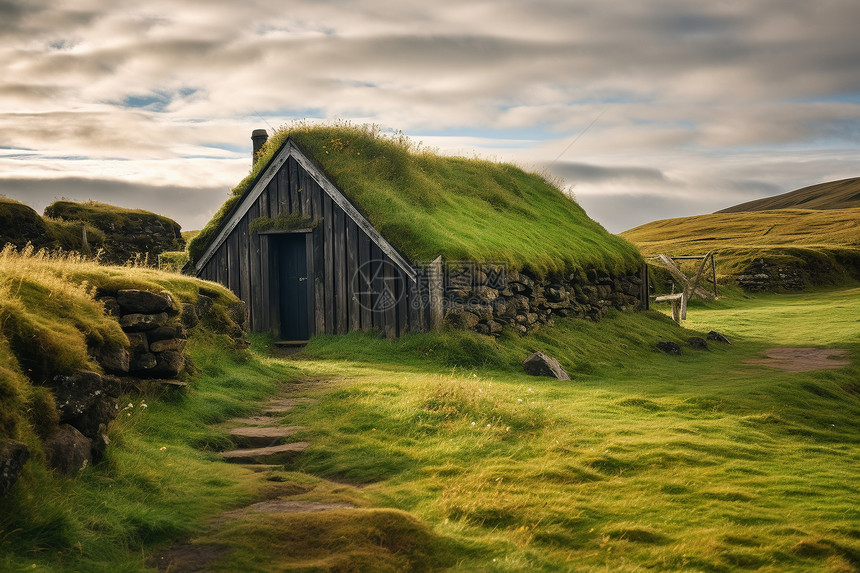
339	238
283	204
233	262
402	300
222	265
263	204
388	304
268	287
310	188
244	266
353	308
377	316
362	284
318	327
311	304
258	310
294	185
328	245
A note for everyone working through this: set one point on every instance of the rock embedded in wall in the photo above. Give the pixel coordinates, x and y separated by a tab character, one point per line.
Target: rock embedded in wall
525	303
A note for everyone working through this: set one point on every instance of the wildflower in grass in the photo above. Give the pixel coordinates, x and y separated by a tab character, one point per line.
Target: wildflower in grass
473	423
162	448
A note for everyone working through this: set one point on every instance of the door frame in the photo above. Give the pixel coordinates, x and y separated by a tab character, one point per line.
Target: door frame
275	246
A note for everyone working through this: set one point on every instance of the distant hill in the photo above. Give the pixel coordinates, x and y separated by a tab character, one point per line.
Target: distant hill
121	234
842	194
794	247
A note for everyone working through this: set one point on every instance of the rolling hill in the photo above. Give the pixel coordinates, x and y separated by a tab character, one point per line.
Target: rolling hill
842	194
793	247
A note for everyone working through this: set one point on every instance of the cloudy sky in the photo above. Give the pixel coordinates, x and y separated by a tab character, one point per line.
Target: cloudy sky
646	109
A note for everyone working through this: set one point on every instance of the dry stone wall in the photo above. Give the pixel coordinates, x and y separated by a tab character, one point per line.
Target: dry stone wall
86	402
486	298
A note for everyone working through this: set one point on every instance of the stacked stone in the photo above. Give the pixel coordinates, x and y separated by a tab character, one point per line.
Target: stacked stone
761	275
153	324
525	303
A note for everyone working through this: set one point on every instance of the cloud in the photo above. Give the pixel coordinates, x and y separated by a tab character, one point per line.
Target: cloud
690	95
596	174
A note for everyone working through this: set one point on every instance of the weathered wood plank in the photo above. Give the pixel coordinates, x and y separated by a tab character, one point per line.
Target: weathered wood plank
268	285
402	299
353	308
377	318
283	204
233	262
293	169
361	280
340	262
328	246
222	265
311	300
389	300
258	312
244	266
310	187
316	196
436	292
318	326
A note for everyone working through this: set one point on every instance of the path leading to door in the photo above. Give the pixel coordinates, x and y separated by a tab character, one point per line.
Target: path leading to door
262	443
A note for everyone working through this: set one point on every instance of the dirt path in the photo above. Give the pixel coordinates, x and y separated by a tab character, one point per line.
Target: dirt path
801	359
261	444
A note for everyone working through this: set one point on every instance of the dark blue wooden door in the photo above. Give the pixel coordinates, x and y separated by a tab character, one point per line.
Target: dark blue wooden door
293	282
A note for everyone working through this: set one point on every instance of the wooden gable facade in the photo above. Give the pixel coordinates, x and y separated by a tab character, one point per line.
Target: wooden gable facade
335	275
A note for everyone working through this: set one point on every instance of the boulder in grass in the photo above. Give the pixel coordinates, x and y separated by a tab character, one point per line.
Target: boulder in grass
13	456
717	337
67	450
698	343
539	364
669	347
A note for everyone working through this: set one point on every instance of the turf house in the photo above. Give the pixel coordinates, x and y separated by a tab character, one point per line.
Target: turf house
339	228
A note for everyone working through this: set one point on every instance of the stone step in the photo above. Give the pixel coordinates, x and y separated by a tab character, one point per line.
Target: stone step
251	421
281	405
282	506
262	437
264	455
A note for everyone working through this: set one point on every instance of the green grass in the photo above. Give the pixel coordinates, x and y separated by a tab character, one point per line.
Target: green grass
455	459
426	204
157	483
643	461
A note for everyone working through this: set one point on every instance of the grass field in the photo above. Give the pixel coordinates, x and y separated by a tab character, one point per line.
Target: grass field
826	243
457	460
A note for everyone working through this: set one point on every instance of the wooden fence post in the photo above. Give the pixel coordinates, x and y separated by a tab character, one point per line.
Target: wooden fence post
436	292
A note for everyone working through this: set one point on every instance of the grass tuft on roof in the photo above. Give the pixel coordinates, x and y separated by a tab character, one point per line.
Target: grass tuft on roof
426	204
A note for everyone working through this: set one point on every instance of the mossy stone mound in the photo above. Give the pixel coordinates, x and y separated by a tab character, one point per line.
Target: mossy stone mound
19	224
128	233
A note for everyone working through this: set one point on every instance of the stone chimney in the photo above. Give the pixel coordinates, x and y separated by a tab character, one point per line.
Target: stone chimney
259	137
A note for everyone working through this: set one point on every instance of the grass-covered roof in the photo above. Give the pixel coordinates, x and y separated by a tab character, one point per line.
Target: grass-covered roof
426	204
